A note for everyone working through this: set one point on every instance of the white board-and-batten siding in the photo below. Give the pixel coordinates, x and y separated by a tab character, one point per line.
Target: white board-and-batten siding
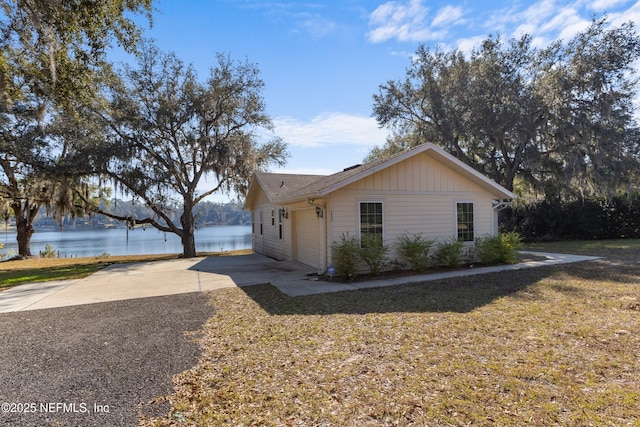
418	195
266	239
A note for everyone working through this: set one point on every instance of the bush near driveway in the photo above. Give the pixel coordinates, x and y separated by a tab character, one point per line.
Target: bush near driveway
548	346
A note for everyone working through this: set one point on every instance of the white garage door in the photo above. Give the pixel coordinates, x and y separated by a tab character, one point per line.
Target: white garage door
307	239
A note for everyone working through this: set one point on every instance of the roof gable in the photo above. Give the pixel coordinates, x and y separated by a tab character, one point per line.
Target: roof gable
275	186
299	187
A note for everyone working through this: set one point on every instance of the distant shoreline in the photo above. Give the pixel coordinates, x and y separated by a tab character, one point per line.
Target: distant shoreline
12	228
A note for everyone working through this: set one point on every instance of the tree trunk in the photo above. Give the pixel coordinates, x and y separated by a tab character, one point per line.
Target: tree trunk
24	229
188	245
188	230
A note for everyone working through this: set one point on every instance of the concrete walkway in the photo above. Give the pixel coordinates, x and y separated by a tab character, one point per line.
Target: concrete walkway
158	278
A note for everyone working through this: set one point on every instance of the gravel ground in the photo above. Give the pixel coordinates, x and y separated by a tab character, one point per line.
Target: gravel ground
97	364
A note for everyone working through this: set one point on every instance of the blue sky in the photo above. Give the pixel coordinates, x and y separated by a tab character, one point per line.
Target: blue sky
322	61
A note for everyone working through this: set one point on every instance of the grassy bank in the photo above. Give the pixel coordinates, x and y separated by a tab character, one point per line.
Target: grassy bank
547	346
30	270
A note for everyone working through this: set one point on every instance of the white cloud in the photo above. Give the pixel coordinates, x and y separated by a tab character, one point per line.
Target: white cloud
316	25
406	22
300	16
512	21
539	12
605	5
545	20
631	14
409	22
330	129
466	45
448	15
566	22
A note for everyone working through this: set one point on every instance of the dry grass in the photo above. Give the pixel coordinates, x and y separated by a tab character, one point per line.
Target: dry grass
548	346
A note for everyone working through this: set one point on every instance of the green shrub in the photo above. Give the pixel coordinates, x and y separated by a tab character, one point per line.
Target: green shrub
511	243
373	253
499	248
345	256
415	250
449	253
49	252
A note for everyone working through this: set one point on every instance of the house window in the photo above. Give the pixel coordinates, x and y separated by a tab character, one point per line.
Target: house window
261	219
280	214
370	223
465	222
273	217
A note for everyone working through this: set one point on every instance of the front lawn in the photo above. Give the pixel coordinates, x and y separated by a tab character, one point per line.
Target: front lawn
546	346
618	247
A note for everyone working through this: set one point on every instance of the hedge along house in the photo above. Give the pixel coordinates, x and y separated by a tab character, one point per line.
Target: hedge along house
423	190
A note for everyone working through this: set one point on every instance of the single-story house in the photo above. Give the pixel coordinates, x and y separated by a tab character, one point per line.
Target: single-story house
422	190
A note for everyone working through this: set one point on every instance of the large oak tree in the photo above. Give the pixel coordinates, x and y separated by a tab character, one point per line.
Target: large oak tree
555	121
173	140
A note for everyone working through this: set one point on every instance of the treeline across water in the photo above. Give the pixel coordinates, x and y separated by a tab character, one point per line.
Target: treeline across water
206	213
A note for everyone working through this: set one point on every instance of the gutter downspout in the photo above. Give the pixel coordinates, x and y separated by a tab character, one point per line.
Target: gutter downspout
499	205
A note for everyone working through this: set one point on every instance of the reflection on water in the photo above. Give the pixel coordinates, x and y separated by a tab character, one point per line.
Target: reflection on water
82	243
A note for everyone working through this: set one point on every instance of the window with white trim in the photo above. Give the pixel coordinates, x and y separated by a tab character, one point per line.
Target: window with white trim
465	222
371	223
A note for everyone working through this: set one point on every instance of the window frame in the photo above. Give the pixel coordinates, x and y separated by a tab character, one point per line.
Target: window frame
465	237
382	216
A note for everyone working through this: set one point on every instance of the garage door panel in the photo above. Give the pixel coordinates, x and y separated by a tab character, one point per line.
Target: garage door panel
307	242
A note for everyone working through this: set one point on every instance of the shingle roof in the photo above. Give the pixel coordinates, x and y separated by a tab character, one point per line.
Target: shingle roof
282	188
278	185
322	182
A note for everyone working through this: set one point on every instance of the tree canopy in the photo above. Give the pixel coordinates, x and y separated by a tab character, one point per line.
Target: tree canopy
51	53
172	139
556	122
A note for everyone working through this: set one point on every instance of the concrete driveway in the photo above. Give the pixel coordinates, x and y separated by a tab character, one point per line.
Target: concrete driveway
149	279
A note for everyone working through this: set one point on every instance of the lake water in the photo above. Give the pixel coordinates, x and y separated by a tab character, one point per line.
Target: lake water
84	243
